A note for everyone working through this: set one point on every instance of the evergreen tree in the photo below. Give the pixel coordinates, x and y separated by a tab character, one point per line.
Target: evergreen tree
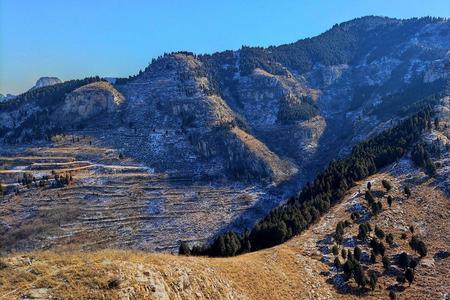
369	197
390	239
386	262
184	249
389	200
348	269
359	276
373	280
335	249
409	275
386	184
392	295
373	257
344	253
413	264
379	232
407	191
357	253
337	262
400	279
422	249
403	260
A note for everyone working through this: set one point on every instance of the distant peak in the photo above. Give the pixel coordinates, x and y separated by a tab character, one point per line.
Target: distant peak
46	81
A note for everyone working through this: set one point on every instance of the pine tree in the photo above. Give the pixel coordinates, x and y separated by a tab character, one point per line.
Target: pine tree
184	249
409	275
379	232
337	262
390	239
386	262
357	253
335	249
400	279
344	253
373	281
359	276
422	249
403	260
386	184
407	191
389	200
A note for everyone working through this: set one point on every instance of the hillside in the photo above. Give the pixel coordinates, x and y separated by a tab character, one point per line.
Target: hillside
195	145
299	269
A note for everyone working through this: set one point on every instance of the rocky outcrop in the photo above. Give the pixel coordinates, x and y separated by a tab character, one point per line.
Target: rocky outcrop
91	100
46	81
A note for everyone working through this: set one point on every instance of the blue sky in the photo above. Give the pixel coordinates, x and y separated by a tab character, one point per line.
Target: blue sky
78	38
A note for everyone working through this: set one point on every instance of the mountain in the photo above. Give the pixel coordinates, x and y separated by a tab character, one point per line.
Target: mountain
262	150
4	98
46	81
213	142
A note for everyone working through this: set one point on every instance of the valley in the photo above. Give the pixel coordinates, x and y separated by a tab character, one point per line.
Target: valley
318	169
299	269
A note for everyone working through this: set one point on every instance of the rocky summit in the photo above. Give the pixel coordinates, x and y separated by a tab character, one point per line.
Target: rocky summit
46	81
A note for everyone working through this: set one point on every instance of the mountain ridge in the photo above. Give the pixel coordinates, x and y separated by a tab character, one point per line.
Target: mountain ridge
249	116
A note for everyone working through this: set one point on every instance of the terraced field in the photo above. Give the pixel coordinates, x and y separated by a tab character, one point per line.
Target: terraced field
110	201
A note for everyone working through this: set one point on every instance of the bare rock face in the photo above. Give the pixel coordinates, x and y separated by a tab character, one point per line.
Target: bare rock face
46	81
175	96
90	100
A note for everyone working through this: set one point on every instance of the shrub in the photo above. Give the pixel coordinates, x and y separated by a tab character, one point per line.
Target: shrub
386	184
184	249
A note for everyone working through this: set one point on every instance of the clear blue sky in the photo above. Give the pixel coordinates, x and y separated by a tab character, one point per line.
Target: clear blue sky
78	38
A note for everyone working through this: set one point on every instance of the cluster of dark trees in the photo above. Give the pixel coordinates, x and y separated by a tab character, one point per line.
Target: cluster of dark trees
61	180
327	189
343	44
421	158
409	265
418	245
353	269
297	110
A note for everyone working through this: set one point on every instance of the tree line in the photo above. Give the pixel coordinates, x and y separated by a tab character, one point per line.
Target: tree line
318	196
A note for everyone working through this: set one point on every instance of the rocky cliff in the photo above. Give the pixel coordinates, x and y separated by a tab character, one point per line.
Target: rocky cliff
89	101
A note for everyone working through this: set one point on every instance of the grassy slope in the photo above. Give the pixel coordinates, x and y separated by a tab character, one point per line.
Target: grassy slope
294	270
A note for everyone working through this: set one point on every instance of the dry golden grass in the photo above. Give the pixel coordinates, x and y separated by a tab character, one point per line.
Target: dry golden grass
293	270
